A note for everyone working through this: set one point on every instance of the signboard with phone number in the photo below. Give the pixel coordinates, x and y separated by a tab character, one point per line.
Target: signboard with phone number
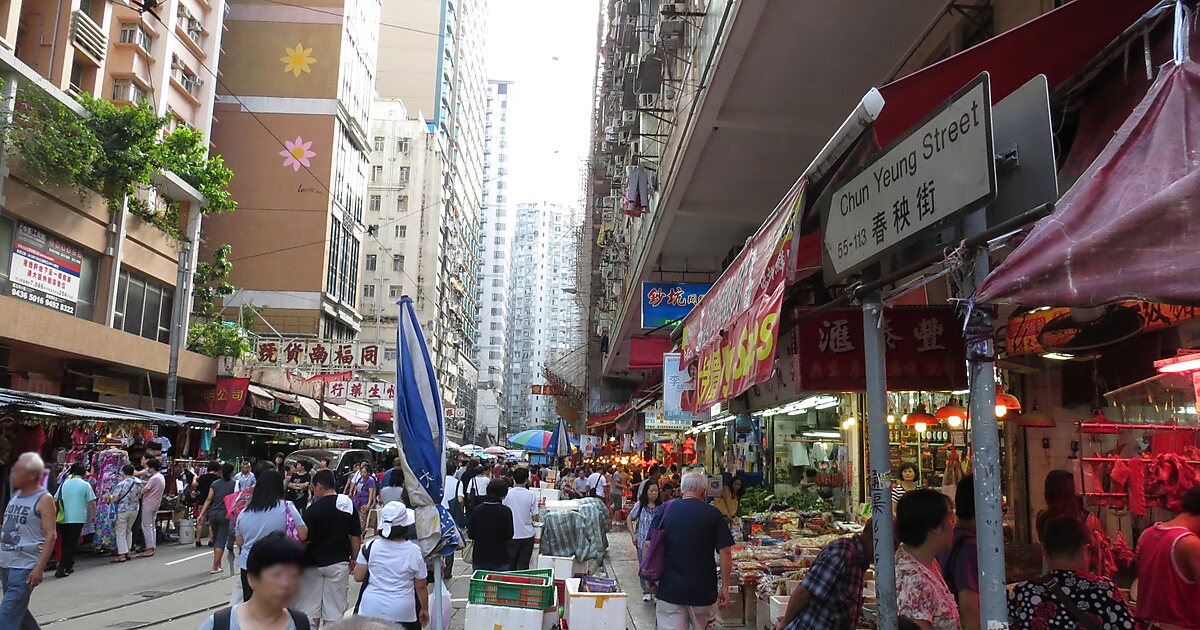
45	271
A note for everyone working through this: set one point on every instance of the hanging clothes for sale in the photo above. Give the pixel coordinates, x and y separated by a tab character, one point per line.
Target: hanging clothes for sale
108	474
637	191
799	454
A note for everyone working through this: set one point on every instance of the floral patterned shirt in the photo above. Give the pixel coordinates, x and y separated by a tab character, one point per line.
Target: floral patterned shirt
127	494
922	594
1031	605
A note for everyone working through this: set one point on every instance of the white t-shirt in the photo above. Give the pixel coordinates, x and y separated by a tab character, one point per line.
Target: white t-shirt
523	504
597	481
479	484
452	487
393	566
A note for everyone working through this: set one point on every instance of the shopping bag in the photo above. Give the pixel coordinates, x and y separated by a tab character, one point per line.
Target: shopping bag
654	560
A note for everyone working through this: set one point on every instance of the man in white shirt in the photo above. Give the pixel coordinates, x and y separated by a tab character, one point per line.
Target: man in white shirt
523	503
452	487
598	481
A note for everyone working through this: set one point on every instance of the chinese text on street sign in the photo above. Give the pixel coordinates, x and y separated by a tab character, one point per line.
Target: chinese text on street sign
361	390
666	303
940	168
309	353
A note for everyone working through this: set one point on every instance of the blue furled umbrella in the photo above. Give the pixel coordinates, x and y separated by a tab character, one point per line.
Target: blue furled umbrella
418	423
560	441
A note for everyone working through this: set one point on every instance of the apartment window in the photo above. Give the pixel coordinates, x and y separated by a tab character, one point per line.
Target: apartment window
376	201
134	33
376	173
395	291
499	240
368	290
397	263
497	268
497	282
402	174
494	355
402	145
496	297
495	311
370	263
401	231
496	326
126	90
186	78
143	307
498	255
402	202
495	341
378	143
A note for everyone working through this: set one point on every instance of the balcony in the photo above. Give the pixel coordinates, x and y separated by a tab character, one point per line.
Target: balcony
88	37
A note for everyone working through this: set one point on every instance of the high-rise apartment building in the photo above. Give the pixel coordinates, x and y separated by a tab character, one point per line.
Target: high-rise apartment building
543	318
495	248
293	107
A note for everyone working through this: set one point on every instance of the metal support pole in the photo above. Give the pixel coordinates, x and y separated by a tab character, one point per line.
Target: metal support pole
181	307
8	106
116	252
985	442
435	598
881	465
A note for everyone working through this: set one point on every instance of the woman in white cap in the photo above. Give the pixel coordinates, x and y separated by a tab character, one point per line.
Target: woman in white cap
391	569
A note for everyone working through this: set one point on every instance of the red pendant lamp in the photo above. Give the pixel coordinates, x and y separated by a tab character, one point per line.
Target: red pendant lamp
1005	402
952	413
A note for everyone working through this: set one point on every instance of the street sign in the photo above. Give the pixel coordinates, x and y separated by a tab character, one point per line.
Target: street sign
942	167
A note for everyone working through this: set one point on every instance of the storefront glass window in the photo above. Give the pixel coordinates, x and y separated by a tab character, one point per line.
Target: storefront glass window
143	307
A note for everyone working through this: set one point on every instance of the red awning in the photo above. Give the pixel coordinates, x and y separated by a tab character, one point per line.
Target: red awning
1057	44
646	353
1128	228
605	418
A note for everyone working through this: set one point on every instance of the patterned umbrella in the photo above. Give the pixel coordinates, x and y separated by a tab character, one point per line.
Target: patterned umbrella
534	440
495	450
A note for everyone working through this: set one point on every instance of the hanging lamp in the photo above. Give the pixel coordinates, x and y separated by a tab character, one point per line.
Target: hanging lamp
952	414
1036	419
919	415
1005	402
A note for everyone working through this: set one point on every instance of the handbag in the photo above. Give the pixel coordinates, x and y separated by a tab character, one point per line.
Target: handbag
469	551
654	559
456	507
291	522
60	515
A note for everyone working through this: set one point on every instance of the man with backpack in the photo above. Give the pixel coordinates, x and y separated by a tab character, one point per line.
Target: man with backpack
334	538
960	565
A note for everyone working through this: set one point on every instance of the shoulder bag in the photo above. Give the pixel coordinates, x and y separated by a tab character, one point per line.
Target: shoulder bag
366	552
1084	621
654	560
291	521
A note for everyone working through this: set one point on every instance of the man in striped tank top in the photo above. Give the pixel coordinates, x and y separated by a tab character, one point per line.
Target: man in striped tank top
26	540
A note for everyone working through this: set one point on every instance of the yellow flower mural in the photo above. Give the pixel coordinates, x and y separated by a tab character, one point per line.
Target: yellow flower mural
297	59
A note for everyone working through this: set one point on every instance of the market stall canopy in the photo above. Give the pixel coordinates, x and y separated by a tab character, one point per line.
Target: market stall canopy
50	405
310	406
453	446
356	419
1127	229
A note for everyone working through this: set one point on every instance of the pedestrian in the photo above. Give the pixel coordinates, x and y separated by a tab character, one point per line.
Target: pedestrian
1063	500
212	472
639	521
694	533
76	497
667	490
491	529
1168	567
1068	597
392	569
620	483
396	469
323	463
266	514
26	540
126	495
392	489
566	484
597	484
654	475
907	474
831	594
278	460
273	571
298	485
925	528
364	495
477	487
152	496
354	477
523	503
334	538
244	480
729	502
960	563
214	511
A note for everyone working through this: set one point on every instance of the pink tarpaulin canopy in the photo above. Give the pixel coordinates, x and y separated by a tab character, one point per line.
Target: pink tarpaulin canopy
1130	226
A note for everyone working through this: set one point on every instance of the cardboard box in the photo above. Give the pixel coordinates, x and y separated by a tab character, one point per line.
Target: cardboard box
733	615
595	611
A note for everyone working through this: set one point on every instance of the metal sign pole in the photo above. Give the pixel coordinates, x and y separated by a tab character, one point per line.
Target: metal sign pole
985	443
881	494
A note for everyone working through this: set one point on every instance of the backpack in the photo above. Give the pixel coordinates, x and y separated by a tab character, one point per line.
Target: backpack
457	510
472	496
222	619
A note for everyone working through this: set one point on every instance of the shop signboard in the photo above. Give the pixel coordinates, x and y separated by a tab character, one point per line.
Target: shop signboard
667	303
45	270
226	397
317	354
361	390
943	167
729	338
1066	331
924	351
677	385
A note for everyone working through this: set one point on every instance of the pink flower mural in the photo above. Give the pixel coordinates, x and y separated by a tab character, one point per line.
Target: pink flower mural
297	153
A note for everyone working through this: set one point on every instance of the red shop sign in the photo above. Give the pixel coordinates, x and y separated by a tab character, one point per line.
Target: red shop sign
924	350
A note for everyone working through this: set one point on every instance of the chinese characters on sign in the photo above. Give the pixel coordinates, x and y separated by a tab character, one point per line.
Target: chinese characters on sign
677	384
308	353
667	303
360	390
941	167
544	390
226	397
924	351
1054	330
44	270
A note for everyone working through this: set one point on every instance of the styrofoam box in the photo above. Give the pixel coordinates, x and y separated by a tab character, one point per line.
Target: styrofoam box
561	566
778	607
595	611
562	505
549	494
484	617
546	485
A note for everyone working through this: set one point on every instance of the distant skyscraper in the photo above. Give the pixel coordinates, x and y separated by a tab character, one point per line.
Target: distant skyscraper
495	249
543	320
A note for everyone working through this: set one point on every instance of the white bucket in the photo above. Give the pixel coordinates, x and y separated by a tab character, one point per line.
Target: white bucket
187	531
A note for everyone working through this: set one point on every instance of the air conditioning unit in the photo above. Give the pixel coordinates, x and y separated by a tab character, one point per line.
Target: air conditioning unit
674	8
629	117
671	32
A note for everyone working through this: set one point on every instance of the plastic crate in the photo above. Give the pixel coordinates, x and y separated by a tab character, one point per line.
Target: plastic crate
516	589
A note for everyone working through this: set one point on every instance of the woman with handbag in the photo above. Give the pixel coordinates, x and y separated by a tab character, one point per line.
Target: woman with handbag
268	512
126	495
214	510
641	517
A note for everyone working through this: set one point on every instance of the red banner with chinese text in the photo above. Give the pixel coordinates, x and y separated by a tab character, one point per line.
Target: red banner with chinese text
226	397
729	338
923	351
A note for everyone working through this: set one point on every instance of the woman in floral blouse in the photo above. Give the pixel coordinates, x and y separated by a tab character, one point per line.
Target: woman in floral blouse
925	528
1067	596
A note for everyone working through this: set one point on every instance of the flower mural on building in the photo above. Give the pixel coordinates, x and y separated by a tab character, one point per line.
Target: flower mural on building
297	59
297	153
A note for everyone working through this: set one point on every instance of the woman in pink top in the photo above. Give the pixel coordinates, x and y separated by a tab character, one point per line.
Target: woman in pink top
1168	564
